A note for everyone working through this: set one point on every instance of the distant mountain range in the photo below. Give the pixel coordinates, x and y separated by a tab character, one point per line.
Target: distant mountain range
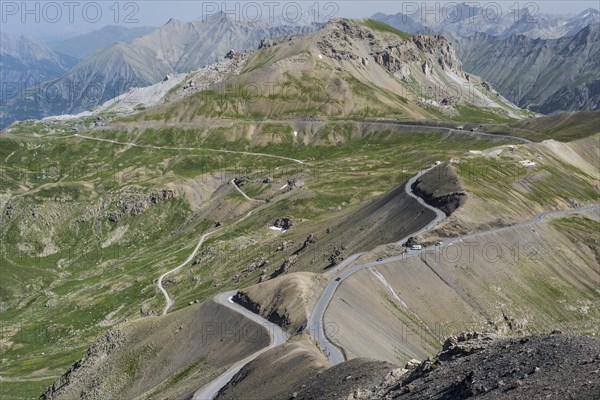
25	62
539	61
546	63
545	75
83	45
466	20
173	48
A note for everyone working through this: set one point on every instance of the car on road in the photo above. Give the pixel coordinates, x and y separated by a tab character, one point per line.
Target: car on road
338	279
438	243
380	259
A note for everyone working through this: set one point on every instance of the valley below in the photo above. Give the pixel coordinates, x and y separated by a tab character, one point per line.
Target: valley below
376	235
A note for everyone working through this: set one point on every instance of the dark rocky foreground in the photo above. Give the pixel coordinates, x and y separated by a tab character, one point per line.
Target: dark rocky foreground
471	365
485	366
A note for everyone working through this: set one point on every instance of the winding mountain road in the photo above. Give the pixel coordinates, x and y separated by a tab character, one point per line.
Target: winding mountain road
244	194
161	279
333	353
277	335
187	260
336	275
316	322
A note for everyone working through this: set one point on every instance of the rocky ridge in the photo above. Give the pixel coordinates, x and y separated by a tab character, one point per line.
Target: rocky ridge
427	65
102	348
495	367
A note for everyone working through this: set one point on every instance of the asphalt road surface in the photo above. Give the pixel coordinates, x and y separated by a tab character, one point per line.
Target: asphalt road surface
316	321
316	324
278	336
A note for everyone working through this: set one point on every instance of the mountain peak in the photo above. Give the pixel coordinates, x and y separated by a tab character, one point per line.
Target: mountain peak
217	17
173	21
587	12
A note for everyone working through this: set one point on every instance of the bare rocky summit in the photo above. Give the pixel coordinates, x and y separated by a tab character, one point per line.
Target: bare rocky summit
474	365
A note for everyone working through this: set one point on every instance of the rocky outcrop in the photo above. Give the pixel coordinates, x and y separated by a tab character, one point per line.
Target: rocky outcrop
309	240
391	55
283	223
165	194
335	254
284	268
476	364
397	54
442	48
395	57
240	181
245	301
102	348
448	203
441	189
280	319
338	44
470	365
136	204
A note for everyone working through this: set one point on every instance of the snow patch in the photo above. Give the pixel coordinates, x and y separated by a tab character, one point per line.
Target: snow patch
527	163
275	228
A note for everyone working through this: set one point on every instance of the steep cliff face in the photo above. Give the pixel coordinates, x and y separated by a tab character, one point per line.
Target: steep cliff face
441	188
390	52
547	76
435	47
